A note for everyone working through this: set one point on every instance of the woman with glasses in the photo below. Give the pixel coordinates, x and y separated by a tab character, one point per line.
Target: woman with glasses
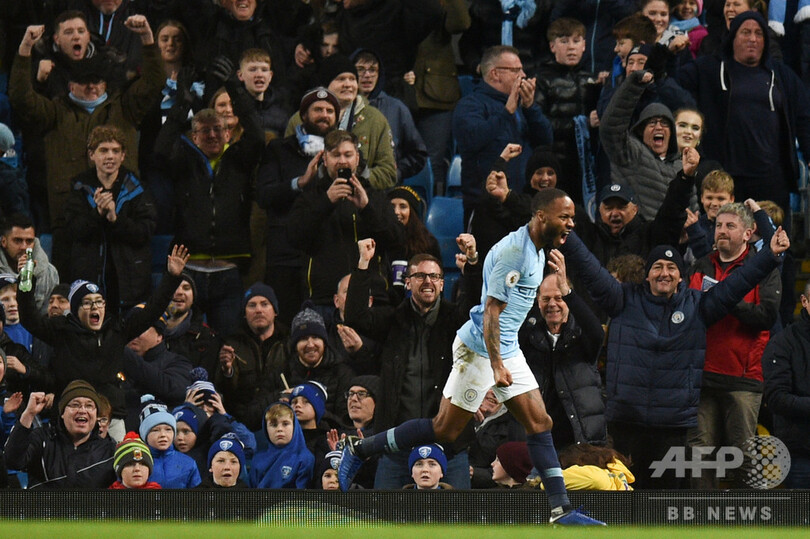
89	345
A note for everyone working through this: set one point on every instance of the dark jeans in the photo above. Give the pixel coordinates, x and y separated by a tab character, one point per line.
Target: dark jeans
219	296
436	128
646	444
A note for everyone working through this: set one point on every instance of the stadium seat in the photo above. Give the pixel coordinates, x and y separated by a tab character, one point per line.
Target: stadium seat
450	280
46	242
422	183
445	220
453	188
159	246
467	83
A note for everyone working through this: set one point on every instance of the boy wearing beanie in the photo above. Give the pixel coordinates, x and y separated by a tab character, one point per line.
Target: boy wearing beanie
133	464
428	465
226	461
172	469
308	401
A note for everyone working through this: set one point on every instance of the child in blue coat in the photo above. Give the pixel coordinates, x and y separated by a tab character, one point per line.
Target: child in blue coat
172	469
286	463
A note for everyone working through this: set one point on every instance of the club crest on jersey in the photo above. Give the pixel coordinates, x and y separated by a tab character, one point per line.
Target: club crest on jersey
512	278
286	471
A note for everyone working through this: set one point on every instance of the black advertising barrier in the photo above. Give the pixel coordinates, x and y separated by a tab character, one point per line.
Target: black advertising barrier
372	508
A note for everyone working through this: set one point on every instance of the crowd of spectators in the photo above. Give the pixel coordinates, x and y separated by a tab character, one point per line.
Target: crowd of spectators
303	296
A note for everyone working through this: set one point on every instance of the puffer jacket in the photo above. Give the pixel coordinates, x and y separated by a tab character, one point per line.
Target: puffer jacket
657	345
631	161
568	369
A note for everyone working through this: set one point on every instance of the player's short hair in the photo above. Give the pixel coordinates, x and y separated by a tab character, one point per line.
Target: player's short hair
545	197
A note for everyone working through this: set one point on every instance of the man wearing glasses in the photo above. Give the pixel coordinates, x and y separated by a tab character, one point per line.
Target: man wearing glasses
213	178
501	110
65	454
416	358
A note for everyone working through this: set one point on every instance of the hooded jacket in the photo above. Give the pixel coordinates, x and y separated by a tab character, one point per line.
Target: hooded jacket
174	469
631	161
409	148
45	273
288	466
708	78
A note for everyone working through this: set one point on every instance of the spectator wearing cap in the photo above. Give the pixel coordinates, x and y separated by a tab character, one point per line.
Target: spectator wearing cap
287	167
150	368
410	151
512	464
186	332
417	337
336	208
255	352
133	464
89	345
621	228
312	359
657	344
428	465
66	122
374	138
361	404
172	469
308	401
196	432
19	234
64	454
213	178
644	154
8	298
112	219
226	462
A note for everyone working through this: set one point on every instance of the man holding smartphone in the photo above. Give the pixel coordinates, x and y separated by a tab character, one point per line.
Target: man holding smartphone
333	212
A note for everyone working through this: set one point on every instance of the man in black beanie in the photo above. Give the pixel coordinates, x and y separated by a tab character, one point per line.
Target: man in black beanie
656	348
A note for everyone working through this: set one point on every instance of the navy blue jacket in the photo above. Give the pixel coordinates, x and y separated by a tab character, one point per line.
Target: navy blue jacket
483	127
709	81
657	345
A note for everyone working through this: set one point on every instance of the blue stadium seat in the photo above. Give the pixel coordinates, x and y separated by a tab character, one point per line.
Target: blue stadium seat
159	246
453	188
467	83
46	242
422	183
445	220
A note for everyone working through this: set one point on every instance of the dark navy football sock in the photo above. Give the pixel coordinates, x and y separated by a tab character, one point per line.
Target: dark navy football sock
544	458
402	438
